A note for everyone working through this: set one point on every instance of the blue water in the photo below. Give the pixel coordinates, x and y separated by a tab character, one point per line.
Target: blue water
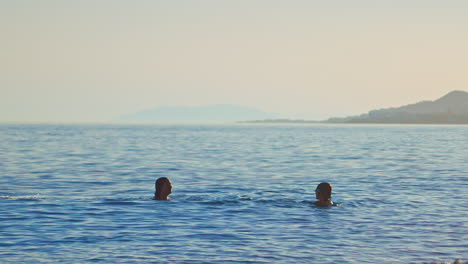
241	194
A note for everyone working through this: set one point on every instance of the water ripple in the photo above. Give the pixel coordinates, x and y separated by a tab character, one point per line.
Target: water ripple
242	194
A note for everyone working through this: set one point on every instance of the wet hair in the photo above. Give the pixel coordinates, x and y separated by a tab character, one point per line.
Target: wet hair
324	189
159	184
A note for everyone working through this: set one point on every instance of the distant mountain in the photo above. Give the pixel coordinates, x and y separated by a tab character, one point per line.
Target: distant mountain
449	109
196	114
279	121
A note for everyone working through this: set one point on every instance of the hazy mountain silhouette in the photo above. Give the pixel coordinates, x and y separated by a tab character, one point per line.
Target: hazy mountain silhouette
196	114
449	109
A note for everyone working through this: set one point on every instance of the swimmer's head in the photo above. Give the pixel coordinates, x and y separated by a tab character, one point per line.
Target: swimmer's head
323	191
163	188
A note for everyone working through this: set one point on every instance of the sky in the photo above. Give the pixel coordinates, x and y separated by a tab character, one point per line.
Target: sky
93	61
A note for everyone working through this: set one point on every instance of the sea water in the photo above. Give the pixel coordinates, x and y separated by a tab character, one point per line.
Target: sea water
241	193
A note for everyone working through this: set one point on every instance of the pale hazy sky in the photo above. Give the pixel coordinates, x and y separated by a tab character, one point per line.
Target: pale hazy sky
92	61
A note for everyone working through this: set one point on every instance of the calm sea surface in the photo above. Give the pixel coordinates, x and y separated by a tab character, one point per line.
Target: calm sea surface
241	194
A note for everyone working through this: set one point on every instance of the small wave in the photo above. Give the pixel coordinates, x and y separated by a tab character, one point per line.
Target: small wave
102	183
366	202
243	200
21	197
229	200
89	164
47	214
111	202
220	202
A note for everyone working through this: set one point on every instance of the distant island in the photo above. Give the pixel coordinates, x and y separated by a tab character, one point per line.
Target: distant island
449	109
222	113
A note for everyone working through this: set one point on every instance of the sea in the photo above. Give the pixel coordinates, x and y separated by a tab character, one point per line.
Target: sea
242	193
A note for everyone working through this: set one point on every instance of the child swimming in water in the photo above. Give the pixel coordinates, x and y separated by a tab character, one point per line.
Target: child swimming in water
323	194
